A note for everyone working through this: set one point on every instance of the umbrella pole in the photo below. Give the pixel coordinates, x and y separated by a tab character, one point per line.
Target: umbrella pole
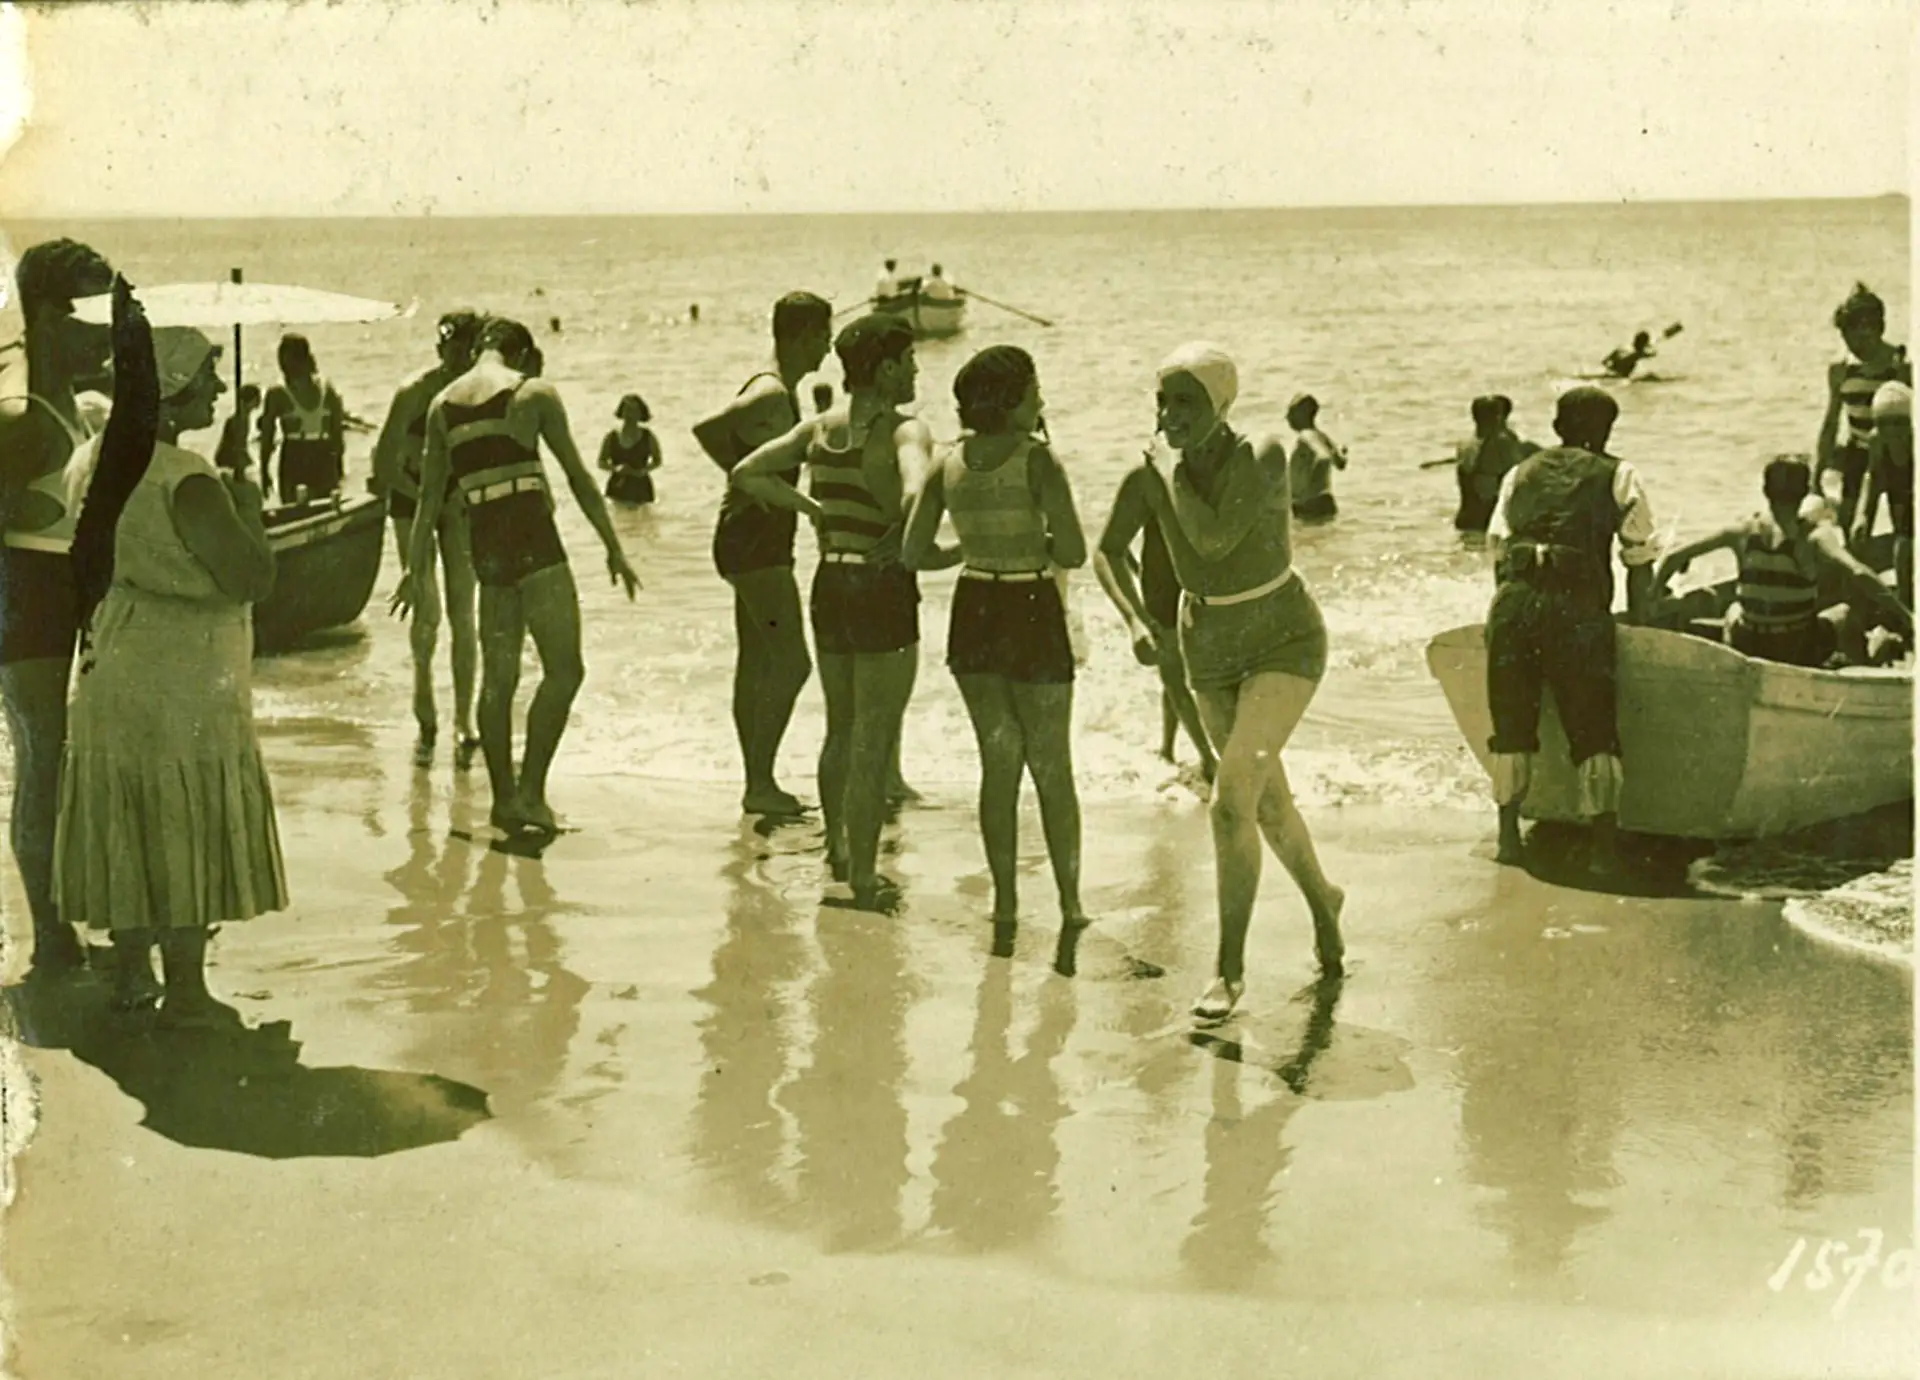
236	351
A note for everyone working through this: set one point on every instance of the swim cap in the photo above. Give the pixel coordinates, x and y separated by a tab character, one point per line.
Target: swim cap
1893	400
179	354
1211	367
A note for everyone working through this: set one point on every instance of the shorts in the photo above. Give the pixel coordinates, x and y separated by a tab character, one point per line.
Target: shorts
630	486
512	538
1225	644
864	610
1542	637
750	537
1811	644
39	606
1316	509
1011	628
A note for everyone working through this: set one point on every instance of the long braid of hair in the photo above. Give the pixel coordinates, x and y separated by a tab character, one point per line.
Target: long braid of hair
126	449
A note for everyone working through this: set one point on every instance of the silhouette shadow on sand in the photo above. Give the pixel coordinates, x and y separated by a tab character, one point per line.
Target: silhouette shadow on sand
243	1088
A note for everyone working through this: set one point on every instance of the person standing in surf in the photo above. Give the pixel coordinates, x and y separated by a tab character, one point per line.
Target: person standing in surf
306	415
44	420
1315	458
753	550
865	605
1851	384
1254	643
1481	462
396	478
1007	643
1551	623
484	434
630	453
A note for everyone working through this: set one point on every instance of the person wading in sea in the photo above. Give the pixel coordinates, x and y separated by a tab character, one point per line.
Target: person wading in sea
1551	623
42	423
865	605
1482	461
396	477
1851	384
484	434
753	550
1315	458
1254	643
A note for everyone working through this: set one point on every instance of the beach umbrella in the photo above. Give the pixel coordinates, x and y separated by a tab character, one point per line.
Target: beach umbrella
238	304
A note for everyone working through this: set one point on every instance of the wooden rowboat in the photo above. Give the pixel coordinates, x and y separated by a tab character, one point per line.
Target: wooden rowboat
1716	745
930	317
327	559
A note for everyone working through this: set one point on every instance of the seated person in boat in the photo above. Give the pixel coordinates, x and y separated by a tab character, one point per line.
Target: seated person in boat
1312	462
936	288
1551	623
1622	363
305	416
1890	476
1793	562
1482	461
887	284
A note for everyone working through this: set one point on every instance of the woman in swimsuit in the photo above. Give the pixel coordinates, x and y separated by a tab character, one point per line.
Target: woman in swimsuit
630	453
1007	643
310	420
1254	642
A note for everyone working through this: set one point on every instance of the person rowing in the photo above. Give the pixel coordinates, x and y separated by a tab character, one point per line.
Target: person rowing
1621	363
1253	639
484	434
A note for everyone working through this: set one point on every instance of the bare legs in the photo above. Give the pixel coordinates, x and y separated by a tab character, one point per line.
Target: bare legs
769	672
866	700
456	566
545	606
1251	798
36	703
1177	705
1026	729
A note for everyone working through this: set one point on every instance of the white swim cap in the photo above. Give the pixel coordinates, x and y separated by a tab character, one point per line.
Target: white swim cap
1893	400
1212	367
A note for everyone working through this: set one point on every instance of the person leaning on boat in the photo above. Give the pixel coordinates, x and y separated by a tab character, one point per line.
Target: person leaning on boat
1551	623
1789	556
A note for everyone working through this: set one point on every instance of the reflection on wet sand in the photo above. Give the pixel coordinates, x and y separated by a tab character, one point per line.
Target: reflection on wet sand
995	1168
1246	1151
739	1135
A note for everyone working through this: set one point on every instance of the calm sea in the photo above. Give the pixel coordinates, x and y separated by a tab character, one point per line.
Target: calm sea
1395	319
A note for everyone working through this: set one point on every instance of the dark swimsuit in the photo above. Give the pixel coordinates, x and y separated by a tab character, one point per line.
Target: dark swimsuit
629	482
751	535
504	491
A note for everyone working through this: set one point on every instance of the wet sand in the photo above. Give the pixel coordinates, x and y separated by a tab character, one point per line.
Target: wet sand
1541	1131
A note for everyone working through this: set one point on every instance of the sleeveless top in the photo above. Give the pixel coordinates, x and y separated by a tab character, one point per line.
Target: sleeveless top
148	556
1562	517
1859	385
1776	593
765	531
44	513
621	458
995	512
853	520
491	469
306	423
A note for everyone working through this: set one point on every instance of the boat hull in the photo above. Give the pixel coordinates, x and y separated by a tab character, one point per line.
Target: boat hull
1715	745
930	317
326	562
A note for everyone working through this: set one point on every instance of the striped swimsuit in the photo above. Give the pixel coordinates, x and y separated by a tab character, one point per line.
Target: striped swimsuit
858	607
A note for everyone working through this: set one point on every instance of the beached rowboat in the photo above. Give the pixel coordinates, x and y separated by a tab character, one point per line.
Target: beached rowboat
326	560
931	317
1716	745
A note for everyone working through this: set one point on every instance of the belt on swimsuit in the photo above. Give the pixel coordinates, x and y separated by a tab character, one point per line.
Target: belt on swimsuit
1245	596
1003	576
506	488
844	558
51	546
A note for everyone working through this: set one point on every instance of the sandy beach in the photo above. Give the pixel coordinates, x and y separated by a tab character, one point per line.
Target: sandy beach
731	1131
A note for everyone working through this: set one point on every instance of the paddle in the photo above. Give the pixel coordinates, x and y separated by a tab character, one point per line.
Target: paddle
1437	464
1670	332
1037	320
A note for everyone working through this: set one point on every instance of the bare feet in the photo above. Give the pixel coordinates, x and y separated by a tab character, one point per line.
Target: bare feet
1328	945
423	748
900	793
879	894
464	750
770	800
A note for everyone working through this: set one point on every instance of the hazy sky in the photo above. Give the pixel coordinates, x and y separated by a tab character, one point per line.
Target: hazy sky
528	106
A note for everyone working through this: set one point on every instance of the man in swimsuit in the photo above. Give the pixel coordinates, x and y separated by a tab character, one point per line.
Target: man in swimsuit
1314	459
1890	475
307	416
753	550
484	434
396	477
865	604
1482	462
42	424
1551	623
1789	557
1851	384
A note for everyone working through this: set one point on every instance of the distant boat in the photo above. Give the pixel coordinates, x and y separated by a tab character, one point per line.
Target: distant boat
326	558
1716	745
930	317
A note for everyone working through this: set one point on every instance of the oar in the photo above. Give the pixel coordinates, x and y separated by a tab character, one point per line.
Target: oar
1436	464
857	306
1037	320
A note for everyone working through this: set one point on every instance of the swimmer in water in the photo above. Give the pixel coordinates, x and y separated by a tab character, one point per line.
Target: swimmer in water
1622	363
630	453
1315	458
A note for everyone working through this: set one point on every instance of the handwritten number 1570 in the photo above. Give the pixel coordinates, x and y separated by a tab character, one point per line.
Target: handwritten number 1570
1839	1260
